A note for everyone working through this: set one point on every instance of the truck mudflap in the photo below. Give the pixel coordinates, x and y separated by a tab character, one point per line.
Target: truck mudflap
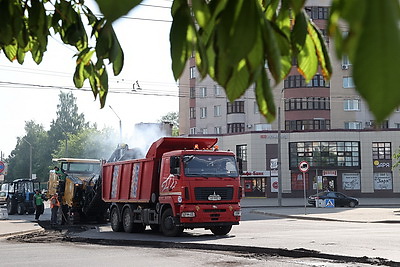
205	215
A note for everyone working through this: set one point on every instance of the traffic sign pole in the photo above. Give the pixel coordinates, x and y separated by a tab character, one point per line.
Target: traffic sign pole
304	167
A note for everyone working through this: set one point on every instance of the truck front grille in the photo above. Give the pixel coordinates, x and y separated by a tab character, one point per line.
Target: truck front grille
202	193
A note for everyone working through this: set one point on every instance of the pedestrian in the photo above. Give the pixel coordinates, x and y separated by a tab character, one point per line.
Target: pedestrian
54	205
61	178
38	204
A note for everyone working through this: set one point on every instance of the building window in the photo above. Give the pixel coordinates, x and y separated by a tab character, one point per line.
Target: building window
192	72
301	125
381	150
383	181
308	103
217	111
235	127
348	82
351	105
318	12
217	90
203	112
192	113
192	92
217	130
241	157
203	92
296	81
325	154
352	125
192	130
345	60
397	125
235	107
263	127
203	131
256	109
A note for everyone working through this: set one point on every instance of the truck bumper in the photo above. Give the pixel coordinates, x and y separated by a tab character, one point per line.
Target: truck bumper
207	215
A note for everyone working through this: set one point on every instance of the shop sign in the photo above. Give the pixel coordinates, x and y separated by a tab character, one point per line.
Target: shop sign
351	181
329	172
382	164
274	173
256	174
382	181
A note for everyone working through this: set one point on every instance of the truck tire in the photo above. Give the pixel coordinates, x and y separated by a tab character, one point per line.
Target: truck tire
221	230
11	206
116	225
168	226
21	209
127	220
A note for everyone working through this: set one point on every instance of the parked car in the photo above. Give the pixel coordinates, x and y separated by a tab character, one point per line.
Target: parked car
3	197
340	199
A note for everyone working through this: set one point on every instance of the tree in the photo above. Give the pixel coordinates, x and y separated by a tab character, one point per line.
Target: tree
232	41
19	160
68	121
172	117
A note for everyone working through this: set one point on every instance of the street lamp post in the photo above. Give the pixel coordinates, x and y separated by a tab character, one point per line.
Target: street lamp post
120	124
279	158
30	158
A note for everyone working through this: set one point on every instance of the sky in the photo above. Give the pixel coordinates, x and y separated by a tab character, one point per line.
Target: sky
30	92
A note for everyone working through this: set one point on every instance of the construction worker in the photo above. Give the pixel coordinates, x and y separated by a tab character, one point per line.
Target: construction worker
61	178
38	204
54	205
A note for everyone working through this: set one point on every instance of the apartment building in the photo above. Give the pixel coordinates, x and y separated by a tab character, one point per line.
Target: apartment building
324	122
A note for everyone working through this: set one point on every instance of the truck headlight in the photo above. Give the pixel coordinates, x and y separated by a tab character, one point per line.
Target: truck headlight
188	214
237	213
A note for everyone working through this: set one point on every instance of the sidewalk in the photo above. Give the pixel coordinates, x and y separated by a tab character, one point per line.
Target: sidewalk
253	202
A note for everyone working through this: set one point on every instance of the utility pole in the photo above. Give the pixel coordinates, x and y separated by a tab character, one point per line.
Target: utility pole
279	158
120	124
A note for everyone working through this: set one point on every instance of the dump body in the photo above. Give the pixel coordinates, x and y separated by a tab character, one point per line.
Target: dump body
174	187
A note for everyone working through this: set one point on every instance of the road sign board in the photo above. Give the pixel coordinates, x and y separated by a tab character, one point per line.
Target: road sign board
304	166
1	166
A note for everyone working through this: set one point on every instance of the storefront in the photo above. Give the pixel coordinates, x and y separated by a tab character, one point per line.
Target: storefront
255	183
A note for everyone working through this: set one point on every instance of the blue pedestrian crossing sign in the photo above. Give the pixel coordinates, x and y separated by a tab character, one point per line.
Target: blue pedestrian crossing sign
329	203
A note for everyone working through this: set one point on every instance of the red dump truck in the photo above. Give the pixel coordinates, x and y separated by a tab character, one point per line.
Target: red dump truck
182	183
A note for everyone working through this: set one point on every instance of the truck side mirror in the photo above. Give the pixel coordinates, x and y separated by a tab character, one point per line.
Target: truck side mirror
174	165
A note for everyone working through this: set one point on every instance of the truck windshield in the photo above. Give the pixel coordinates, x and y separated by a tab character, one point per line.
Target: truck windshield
210	166
77	167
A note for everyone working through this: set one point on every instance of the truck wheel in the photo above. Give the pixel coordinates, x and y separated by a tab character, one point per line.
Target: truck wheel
11	207
127	221
168	226
21	209
221	230
116	225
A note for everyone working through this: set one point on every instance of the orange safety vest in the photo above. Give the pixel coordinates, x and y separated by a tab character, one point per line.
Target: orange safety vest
54	202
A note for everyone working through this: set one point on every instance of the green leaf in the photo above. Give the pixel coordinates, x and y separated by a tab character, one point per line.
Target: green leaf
264	97
272	51
238	82
376	70
303	44
236	20
11	51
113	10
201	12
182	36
321	50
